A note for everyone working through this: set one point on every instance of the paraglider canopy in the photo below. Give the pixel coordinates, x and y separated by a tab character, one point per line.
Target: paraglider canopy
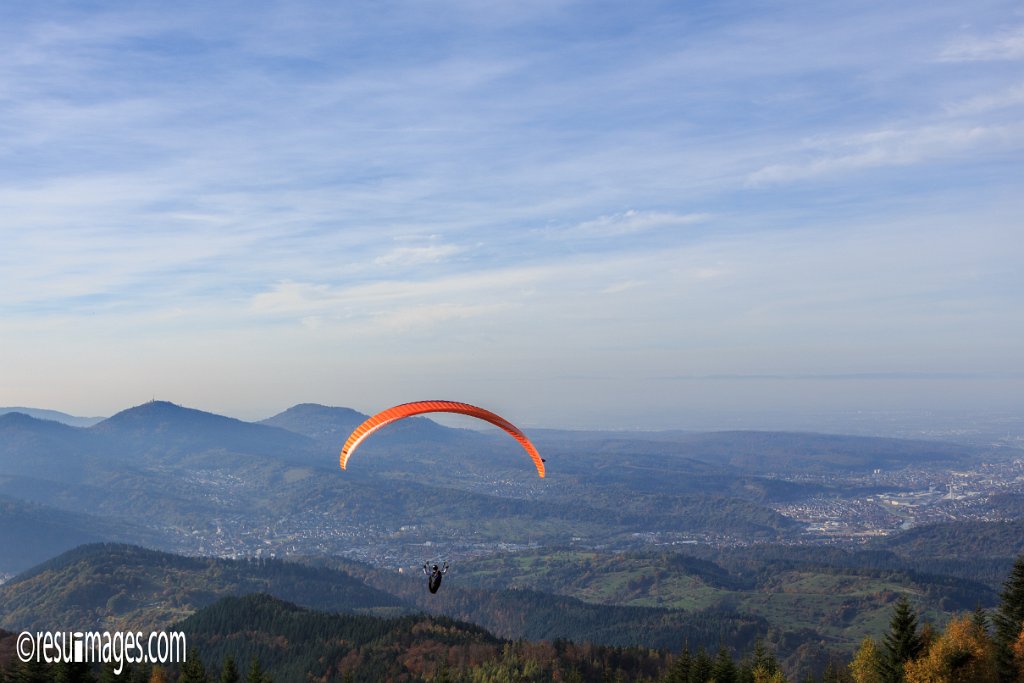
405	410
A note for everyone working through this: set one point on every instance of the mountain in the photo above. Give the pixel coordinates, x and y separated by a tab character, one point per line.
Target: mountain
160	429
114	586
417	446
43	449
202	483
53	415
332	426
318	422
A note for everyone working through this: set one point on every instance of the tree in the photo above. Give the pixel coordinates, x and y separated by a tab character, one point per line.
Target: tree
902	643
763	659
192	669
229	672
1009	620
962	654
867	665
679	672
980	618
700	668
256	674
723	670
158	675
1018	655
763	675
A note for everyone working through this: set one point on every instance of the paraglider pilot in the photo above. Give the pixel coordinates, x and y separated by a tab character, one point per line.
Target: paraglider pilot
434	576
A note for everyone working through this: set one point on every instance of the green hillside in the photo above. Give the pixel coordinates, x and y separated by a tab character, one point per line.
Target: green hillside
109	586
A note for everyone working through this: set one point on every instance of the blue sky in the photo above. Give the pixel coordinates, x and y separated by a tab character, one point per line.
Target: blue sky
584	214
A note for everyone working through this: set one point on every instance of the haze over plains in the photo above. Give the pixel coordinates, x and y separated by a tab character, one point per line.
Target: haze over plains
586	215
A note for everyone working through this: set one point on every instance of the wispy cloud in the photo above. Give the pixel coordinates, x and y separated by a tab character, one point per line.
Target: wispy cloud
555	187
633	221
891	147
414	256
1006	44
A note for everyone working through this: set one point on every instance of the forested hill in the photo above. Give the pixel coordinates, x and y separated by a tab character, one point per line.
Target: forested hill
120	586
358	648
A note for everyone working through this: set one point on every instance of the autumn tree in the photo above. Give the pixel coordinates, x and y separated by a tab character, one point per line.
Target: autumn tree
867	665
964	653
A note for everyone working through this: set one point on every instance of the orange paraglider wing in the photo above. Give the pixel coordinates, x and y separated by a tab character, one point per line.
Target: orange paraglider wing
405	410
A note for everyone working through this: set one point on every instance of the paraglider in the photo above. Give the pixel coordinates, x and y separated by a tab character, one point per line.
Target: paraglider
405	410
386	417
434	576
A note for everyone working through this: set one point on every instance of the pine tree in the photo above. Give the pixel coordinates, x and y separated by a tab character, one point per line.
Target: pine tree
679	672
902	643
229	672
192	669
1009	620
700	668
723	670
980	618
256	674
763	659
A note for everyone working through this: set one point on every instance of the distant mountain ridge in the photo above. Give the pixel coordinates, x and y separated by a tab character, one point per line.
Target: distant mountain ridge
331	426
53	415
171	428
33	533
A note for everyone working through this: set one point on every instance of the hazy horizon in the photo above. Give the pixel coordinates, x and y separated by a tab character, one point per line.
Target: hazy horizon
584	216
